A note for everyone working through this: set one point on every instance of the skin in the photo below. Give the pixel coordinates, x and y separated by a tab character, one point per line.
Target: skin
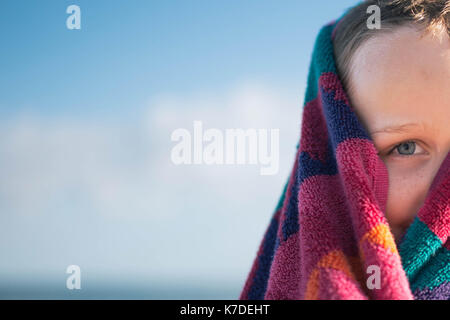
398	78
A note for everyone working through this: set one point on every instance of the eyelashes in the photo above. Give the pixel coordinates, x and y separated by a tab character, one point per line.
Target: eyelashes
404	149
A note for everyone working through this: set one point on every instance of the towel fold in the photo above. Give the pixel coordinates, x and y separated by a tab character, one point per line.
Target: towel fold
328	237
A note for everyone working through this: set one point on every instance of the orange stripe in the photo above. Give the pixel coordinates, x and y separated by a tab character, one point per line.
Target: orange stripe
335	260
380	235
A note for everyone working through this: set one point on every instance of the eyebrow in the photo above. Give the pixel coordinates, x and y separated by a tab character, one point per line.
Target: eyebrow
396	128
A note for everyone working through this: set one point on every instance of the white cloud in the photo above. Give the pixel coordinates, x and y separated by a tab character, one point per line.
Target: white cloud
122	172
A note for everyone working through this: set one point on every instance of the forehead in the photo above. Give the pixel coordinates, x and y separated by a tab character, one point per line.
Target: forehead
402	75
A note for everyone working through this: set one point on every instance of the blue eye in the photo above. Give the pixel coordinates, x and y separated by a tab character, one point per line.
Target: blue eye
405	148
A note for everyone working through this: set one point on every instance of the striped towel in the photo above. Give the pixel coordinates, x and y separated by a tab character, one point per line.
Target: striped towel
328	237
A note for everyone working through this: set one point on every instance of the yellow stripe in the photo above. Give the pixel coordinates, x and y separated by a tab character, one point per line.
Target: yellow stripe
335	260
380	235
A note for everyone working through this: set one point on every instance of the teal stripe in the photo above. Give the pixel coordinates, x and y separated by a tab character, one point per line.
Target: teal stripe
418	246
322	61
436	272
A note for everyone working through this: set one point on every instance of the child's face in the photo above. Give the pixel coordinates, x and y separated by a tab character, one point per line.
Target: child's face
403	80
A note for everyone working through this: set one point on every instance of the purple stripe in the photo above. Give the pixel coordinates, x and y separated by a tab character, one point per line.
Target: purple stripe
441	292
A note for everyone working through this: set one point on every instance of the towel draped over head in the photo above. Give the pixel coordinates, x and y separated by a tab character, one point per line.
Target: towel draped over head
328	236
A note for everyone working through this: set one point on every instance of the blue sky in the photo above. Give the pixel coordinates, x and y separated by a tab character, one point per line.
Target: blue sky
85	123
128	50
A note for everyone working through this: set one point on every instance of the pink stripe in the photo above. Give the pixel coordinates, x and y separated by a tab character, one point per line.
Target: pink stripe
251	276
314	135
365	179
330	81
284	281
447	244
435	212
442	172
336	285
324	221
393	280
288	195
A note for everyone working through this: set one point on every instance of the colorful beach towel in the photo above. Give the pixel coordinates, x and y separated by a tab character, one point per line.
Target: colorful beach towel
329	236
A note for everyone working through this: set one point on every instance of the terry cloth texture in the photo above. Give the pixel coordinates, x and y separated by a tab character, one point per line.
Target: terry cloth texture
329	227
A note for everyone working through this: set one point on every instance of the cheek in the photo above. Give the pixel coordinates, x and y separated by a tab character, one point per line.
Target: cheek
407	191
